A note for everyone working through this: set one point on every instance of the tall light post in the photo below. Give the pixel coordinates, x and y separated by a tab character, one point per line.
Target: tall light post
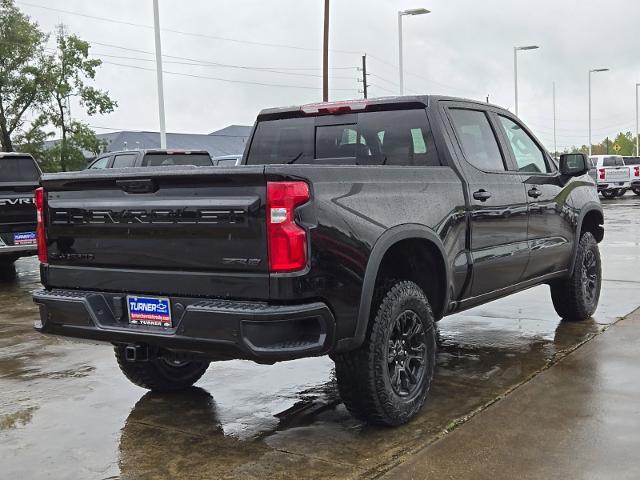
515	68
414	11
325	54
637	122
555	142
595	70
156	28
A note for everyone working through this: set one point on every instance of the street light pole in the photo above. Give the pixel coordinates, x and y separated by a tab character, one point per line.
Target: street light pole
555	143
515	70
415	11
637	123
590	72
156	28
325	54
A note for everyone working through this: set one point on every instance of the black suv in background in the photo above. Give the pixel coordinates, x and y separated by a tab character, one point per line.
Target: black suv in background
19	177
151	158
351	228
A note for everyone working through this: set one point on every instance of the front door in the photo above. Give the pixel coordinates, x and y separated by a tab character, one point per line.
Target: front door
498	213
550	229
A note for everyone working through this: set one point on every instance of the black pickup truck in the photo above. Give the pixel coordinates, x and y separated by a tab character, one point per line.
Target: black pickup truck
349	230
19	177
151	158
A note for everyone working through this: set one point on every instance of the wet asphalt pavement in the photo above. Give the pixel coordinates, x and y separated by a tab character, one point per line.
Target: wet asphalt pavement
66	411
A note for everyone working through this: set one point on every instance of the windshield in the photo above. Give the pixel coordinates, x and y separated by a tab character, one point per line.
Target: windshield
18	169
168	159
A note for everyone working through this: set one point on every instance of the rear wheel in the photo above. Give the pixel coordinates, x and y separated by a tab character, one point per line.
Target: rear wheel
386	380
608	194
576	298
620	192
636	190
164	374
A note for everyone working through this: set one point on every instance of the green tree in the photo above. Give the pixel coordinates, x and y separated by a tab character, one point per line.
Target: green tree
23	70
70	71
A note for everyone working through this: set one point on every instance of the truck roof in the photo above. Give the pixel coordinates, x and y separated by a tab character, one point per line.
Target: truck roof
344	106
160	151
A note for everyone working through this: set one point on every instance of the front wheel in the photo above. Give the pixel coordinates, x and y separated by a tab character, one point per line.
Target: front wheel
163	374
576	298
386	380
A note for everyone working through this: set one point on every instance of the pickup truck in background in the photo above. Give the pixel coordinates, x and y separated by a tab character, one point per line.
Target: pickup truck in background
612	176
634	164
19	177
349	230
151	158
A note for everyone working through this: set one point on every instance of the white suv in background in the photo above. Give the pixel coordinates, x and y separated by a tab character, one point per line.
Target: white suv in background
611	174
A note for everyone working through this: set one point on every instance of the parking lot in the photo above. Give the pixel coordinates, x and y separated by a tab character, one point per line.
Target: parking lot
67	411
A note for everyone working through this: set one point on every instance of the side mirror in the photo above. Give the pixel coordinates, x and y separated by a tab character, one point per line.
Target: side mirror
574	164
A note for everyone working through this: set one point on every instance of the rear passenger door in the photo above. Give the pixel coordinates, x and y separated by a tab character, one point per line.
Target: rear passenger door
498	202
550	229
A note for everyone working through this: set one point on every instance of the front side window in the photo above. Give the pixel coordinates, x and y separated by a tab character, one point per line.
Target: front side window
477	139
99	164
528	155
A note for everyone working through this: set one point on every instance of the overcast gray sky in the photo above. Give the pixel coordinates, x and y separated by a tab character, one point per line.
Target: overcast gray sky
463	48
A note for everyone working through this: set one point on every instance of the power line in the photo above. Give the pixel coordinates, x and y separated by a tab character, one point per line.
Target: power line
219	79
180	32
222	65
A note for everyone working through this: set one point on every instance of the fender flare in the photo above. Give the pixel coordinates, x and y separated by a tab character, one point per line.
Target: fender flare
588	208
380	248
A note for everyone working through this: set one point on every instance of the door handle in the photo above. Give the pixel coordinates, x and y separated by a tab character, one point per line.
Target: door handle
482	195
534	192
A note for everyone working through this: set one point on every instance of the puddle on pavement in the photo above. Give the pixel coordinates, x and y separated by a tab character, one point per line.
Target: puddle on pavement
67	412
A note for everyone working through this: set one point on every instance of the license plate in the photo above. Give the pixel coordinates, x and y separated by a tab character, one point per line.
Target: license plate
152	311
24	238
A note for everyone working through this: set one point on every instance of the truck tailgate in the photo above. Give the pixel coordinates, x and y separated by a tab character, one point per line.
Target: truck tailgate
617	174
165	231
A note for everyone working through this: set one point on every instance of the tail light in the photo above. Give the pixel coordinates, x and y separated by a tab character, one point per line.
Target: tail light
636	171
333	108
601	173
286	239
41	237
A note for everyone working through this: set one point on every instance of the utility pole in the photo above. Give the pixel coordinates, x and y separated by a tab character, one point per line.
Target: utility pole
325	54
156	27
365	85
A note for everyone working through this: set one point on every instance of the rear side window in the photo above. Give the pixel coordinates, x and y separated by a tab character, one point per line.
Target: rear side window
477	139
396	137
18	169
166	159
613	162
124	161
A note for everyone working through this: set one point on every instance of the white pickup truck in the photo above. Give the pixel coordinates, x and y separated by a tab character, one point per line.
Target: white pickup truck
611	174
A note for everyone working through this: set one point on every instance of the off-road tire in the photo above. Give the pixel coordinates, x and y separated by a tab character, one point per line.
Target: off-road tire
576	298
160	375
363	375
609	194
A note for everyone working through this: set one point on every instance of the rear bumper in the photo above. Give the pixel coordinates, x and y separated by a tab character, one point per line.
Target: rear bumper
217	329
18	250
613	186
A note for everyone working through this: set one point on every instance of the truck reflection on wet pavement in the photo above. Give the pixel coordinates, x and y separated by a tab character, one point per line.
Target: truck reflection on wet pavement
67	411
